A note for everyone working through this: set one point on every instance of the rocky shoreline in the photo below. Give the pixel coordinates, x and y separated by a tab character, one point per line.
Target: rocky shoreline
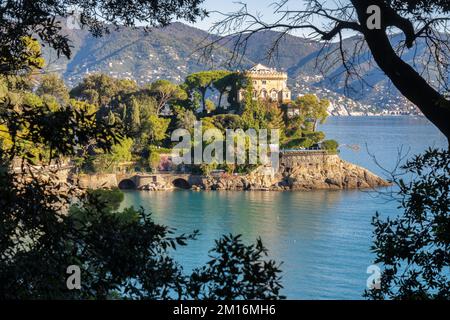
312	172
360	179
334	173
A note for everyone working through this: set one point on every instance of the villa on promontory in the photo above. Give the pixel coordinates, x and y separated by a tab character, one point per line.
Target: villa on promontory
267	83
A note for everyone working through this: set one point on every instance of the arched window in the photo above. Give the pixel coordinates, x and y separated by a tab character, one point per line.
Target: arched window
274	95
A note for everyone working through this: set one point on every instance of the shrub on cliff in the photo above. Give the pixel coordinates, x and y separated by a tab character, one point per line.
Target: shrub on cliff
330	145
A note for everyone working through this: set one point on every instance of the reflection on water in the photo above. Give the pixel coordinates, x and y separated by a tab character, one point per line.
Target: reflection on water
322	237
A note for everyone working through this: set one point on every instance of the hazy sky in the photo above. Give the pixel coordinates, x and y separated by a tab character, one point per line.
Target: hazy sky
264	7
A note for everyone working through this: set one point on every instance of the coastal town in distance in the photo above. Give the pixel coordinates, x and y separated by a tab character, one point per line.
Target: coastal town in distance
214	159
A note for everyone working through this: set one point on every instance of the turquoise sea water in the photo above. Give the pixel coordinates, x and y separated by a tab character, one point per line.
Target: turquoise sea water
322	237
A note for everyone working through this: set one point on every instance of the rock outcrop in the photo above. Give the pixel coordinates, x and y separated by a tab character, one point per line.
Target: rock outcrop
332	173
297	171
96	181
157	186
310	173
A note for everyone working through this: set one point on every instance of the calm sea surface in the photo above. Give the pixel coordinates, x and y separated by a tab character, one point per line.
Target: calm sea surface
322	237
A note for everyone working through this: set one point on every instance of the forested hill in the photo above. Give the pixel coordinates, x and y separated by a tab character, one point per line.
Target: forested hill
170	53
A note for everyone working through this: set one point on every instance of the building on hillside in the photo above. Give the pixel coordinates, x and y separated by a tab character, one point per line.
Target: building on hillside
267	83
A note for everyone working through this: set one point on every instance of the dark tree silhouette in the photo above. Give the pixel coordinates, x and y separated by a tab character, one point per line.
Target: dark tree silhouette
236	271
328	20
414	248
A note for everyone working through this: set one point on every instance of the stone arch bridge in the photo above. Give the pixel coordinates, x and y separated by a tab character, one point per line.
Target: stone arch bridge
138	180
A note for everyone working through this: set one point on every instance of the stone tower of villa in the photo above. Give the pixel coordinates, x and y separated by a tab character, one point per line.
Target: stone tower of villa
267	83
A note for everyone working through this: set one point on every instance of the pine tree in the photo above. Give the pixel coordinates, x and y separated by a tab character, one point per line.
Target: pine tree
135	122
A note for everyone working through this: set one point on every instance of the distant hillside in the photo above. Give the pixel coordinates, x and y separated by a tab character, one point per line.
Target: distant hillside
292	52
136	54
170	53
